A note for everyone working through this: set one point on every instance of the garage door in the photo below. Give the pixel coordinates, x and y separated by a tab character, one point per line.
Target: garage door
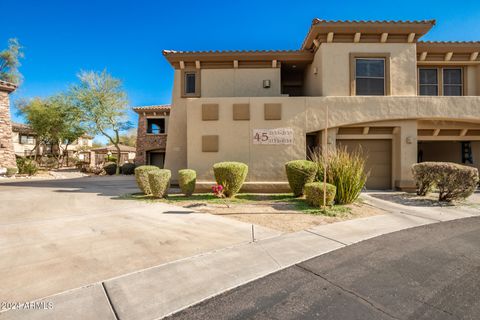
379	160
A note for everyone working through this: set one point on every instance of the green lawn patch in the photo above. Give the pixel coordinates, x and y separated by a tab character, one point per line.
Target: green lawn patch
287	199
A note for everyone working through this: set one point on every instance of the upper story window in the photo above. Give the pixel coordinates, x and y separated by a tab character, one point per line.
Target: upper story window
156	125
369	77
191	83
452	82
27	139
440	81
428	81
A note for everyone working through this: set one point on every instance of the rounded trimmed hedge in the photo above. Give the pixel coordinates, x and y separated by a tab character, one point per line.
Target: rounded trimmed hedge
187	179
141	176
299	173
231	176
110	168
314	193
159	181
454	181
128	168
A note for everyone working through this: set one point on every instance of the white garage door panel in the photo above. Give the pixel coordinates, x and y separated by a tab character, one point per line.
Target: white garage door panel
379	160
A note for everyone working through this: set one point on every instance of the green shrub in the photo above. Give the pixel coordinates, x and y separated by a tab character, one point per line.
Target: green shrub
49	162
141	176
111	159
345	170
231	176
110	168
11	171
454	181
299	173
314	193
159	181
424	177
27	166
128	168
187	179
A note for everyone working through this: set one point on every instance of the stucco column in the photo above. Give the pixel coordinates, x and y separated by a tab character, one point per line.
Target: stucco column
7	153
407	155
331	140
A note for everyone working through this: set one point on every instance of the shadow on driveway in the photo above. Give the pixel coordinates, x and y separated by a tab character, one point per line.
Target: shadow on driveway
109	186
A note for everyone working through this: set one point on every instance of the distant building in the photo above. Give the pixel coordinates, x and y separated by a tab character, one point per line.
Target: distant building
24	140
152	134
127	154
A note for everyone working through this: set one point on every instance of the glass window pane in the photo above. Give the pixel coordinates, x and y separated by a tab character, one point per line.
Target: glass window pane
370	87
452	76
452	90
190	83
428	76
429	90
370	68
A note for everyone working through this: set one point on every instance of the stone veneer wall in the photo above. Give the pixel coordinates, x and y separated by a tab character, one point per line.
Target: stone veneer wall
147	142
7	154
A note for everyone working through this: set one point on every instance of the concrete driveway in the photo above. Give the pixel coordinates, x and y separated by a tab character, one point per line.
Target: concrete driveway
56	235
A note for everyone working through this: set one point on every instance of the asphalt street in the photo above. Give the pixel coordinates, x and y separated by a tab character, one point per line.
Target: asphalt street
428	272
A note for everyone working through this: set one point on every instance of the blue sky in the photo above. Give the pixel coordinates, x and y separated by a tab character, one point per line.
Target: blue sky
61	38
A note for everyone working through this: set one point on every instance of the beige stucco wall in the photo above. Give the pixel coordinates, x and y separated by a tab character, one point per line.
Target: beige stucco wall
307	114
335	66
235	137
240	82
176	150
471	78
313	76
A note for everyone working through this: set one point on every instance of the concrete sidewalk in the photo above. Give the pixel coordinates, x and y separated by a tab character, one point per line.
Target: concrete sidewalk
162	290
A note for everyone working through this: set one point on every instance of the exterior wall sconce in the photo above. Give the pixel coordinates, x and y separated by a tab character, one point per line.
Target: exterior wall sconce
266	84
315	70
409	140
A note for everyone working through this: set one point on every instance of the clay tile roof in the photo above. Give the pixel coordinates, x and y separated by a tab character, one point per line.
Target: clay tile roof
419	27
448	46
111	148
161	107
174	57
22	128
7	86
450	42
226	52
317	21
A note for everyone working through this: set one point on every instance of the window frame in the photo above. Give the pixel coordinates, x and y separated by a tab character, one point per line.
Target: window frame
462	80
29	139
367	55
440	69
156	117
183	84
439	81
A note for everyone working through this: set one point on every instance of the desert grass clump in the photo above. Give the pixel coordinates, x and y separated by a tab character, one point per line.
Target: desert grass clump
345	170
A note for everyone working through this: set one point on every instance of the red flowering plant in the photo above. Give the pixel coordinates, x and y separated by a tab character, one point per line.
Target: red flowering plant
218	192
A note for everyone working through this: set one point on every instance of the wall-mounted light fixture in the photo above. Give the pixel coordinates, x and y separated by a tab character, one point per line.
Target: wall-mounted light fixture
409	140
266	83
315	70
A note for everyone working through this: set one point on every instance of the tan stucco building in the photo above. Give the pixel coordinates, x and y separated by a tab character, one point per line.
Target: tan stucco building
399	99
